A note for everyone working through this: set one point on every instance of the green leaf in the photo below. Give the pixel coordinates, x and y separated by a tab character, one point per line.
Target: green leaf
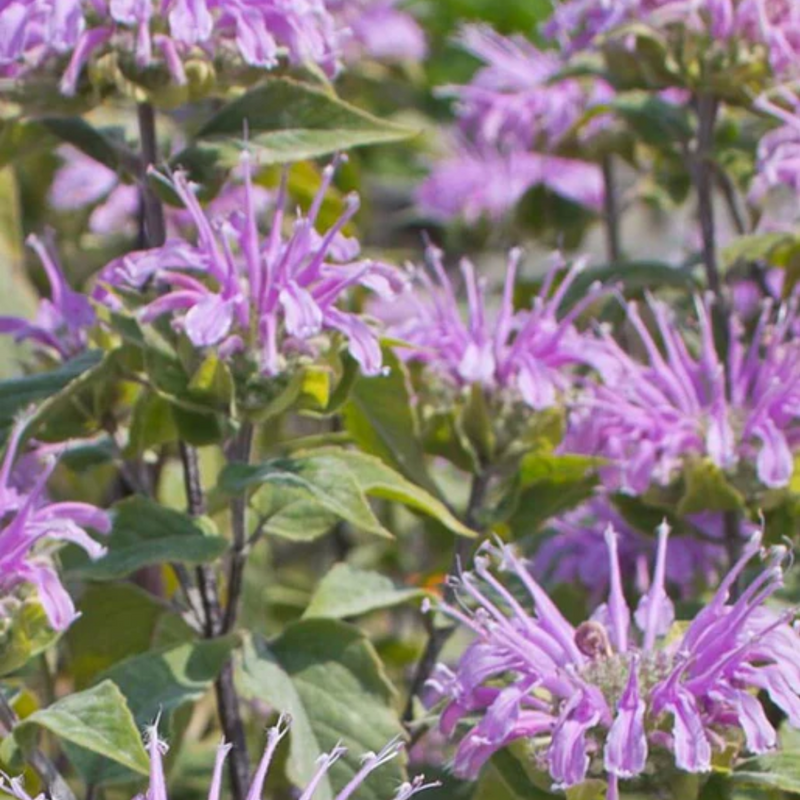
145	533
318	477
380	418
707	489
548	485
380	481
505	778
653	120
119	621
97	720
775	771
292	513
18	394
328	677
285	121
23	635
350	592
152	424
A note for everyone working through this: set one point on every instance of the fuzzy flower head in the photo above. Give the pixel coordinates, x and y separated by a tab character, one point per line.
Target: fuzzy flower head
620	695
31	527
275	299
778	163
144	35
369	763
380	30
575	553
522	355
61	324
515	100
647	417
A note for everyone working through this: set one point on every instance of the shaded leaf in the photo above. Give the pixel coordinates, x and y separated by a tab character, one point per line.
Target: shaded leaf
774	770
328	677
145	533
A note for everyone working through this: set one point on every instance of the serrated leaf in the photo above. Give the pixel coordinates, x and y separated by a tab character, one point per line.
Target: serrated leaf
328	677
145	533
97	720
350	592
286	121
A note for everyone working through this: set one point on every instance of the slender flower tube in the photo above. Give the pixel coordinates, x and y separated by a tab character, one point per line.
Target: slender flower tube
369	763
525	355
647	417
62	321
275	299
608	696
30	526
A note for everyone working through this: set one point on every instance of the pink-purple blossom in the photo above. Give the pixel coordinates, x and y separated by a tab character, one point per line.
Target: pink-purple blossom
602	698
648	416
275	298
32	526
524	354
257	33
778	162
62	321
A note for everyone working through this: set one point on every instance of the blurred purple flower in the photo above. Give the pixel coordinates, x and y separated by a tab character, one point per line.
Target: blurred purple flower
260	33
524	354
379	30
81	181
514	100
648	417
369	763
595	699
575	553
778	161
30	526
473	183
62	321
273	298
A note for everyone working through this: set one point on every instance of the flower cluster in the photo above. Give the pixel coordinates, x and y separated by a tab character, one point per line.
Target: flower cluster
31	525
273	299
510	118
601	699
522	354
779	150
258	33
62	321
575	553
647	417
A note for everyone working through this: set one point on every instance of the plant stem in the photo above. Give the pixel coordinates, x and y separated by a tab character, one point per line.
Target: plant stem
438	637
611	215
57	787
240	452
152	210
227	699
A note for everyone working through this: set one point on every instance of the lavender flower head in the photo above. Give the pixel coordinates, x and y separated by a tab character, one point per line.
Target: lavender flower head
369	763
511	117
648	417
273	299
522	355
30	527
779	150
616	696
256	33
61	324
